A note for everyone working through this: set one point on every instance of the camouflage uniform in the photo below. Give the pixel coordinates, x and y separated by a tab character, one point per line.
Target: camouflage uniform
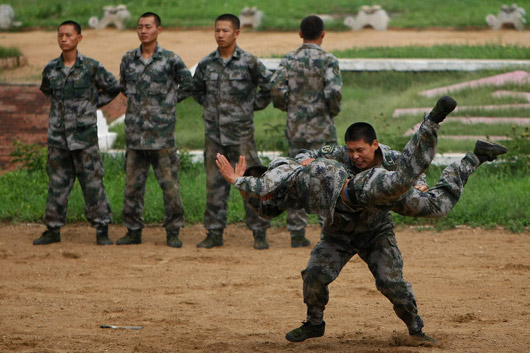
73	149
152	87
307	85
367	232
229	91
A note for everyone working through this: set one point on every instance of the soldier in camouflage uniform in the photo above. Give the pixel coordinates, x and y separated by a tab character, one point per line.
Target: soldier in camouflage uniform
153	79
230	84
369	232
307	85
77	86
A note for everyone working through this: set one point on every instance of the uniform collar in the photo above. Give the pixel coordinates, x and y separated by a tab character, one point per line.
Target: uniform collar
310	46
79	61
156	55
235	55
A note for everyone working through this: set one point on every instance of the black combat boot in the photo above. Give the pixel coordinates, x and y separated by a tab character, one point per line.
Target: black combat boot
307	330
172	238
52	235
298	239
260	239
422	339
488	151
443	107
102	235
213	238
132	237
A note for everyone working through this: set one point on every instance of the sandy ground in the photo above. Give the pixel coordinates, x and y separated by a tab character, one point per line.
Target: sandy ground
109	45
471	286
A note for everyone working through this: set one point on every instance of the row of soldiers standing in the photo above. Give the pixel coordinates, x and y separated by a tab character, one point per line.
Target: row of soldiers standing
229	83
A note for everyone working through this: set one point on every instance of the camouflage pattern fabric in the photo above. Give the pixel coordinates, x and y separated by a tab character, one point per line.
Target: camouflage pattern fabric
153	89
218	190
63	167
75	98
165	164
230	92
314	188
308	86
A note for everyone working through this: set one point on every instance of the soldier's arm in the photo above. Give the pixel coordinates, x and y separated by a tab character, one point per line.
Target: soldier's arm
183	78
123	82
108	87
263	88
421	182
199	87
329	152
45	84
333	87
280	88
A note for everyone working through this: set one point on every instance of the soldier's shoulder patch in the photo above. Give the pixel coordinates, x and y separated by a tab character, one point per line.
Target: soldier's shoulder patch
327	149
336	70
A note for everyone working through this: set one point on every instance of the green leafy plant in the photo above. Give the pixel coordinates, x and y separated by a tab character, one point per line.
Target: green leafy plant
30	157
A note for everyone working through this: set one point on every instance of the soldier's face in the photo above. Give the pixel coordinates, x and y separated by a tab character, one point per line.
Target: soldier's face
147	30
362	153
68	38
225	35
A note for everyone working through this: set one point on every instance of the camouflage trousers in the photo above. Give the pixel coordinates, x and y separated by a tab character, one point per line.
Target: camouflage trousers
385	262
440	199
165	164
297	219
63	167
218	190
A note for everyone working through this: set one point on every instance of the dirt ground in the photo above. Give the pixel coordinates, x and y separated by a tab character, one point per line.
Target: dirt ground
109	45
471	286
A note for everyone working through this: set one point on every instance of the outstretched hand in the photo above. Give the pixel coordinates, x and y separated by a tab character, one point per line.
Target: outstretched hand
227	171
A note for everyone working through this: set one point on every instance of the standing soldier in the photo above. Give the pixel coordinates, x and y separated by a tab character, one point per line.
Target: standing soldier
230	84
154	80
308	86
77	86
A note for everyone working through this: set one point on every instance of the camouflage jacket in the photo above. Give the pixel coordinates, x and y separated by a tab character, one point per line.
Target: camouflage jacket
153	90
74	101
229	93
315	187
357	226
308	86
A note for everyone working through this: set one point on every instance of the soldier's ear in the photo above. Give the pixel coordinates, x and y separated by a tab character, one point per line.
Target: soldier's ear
301	35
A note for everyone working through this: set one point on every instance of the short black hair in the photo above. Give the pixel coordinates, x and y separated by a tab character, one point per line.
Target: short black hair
76	25
311	27
360	131
255	171
158	21
229	17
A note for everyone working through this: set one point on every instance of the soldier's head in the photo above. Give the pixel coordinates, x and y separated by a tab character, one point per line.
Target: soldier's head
69	35
312	29
227	29
148	27
361	142
255	171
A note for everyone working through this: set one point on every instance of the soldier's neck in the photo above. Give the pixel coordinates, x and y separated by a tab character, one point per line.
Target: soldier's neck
226	53
148	49
69	57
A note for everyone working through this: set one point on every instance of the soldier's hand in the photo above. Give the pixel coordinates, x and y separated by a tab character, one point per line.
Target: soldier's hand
307	161
225	169
421	188
241	166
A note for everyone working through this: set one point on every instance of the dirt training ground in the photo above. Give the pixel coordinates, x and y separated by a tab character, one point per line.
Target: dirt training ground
471	286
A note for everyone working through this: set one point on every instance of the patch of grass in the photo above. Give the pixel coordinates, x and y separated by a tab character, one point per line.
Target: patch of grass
9	52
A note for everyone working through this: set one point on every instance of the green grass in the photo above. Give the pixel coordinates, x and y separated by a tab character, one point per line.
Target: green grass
494	196
9	52
278	14
488	51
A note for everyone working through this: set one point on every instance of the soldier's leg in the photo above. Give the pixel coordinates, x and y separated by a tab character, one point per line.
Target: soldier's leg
136	173
386	265
217	192
61	171
90	172
326	261
165	165
254	222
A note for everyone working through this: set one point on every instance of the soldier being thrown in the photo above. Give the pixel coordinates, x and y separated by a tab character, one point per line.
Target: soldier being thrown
77	86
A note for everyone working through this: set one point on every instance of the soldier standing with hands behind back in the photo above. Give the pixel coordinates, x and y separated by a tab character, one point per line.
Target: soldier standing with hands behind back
77	86
308	86
230	84
153	79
